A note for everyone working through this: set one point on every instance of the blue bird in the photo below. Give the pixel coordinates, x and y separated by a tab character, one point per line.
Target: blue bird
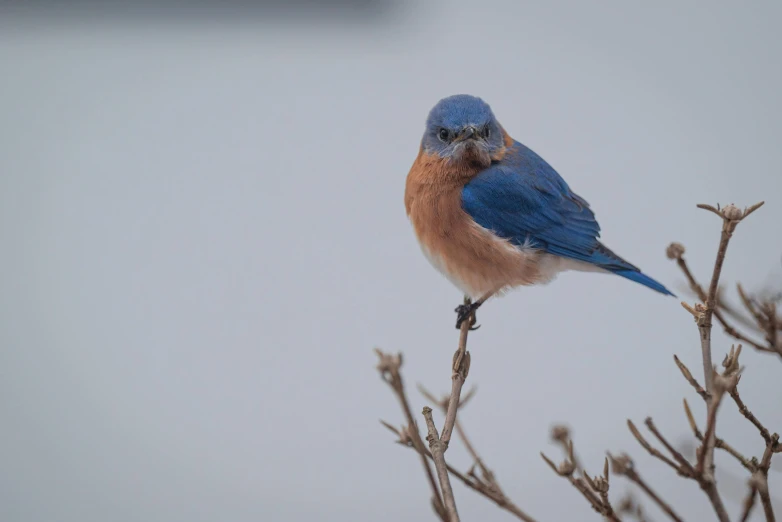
492	215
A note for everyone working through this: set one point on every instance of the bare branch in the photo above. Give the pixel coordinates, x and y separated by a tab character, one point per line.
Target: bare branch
701	293
760	316
705	466
389	368
461	367
623	465
721	385
594	490
764	432
601	485
683	462
731	311
691	420
766	319
470	482
731	216
749	502
438	444
681	465
437	447
654	452
752	209
487	475
687	375
760	478
719	443
710	208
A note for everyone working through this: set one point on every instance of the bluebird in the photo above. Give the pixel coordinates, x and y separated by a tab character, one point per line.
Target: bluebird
492	215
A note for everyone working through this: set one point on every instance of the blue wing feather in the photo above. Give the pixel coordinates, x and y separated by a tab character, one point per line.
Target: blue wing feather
523	199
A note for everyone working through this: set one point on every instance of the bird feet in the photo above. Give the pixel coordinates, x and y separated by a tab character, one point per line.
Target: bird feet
466	312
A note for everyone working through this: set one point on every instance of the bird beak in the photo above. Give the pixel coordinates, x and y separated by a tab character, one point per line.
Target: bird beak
467	133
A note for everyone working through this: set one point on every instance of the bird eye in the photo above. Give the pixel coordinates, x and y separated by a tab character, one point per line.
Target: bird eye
443	134
486	132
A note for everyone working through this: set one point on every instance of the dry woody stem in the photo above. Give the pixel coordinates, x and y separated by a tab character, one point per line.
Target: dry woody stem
760	315
486	484
389	368
485	481
594	490
624	466
438	447
438	444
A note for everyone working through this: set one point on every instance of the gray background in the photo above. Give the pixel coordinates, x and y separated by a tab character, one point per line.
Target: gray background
203	238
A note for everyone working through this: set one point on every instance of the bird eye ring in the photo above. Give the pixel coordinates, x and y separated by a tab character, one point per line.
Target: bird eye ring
486	132
443	134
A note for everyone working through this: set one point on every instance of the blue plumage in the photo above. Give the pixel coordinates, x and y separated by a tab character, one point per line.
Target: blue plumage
523	199
640	277
469	172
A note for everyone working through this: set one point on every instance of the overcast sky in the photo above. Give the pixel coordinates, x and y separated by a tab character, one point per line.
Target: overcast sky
203	238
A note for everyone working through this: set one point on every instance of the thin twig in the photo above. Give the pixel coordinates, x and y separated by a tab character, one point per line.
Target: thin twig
719	443
654	452
461	367
687	375
601	485
438	444
764	432
485	471
683	462
623	465
676	251
413	440
470	482
437	447
749	502
709	434
389	368
735	314
727	327
704	468
691	420
760	478
681	465
731	216
730	220
744	461
487	474
595	491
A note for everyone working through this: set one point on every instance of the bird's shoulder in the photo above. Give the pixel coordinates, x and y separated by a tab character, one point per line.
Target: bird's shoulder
523	179
523	198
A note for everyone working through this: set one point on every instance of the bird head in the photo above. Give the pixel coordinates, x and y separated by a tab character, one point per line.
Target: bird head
462	128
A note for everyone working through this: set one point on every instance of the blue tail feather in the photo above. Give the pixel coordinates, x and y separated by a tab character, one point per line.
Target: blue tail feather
609	261
643	279
605	258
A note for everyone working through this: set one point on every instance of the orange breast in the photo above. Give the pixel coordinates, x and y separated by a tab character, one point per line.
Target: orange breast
474	259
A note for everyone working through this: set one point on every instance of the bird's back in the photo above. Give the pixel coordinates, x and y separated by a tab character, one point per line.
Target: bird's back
523	200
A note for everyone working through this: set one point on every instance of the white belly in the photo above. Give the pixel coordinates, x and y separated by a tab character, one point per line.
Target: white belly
478	286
